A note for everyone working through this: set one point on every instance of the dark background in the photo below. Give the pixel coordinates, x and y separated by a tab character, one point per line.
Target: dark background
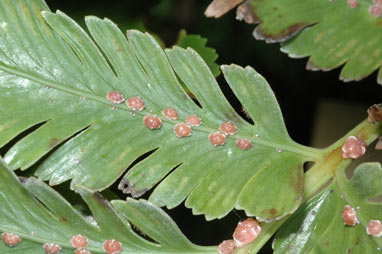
299	92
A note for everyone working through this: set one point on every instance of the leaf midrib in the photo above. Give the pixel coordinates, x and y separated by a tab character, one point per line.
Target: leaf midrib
67	245
310	153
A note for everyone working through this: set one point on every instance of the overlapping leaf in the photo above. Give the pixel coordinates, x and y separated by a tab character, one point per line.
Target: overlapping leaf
198	43
331	33
40	215
54	74
317	226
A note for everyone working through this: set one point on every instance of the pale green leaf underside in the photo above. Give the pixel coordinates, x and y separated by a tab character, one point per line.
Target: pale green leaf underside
52	72
335	35
40	215
317	226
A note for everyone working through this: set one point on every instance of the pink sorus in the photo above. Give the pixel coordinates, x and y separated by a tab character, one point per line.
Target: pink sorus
216	138
79	242
243	143
182	130
227	128
51	248
115	97
246	232
170	113
193	120
354	147
136	103
374	228
353	4
226	247
82	252
112	246
10	239
152	122
378	2
349	216
375	10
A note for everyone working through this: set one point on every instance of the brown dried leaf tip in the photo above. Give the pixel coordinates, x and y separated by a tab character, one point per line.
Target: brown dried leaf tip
246	232
217	8
374	228
226	247
10	239
112	246
349	216
354	147
375	113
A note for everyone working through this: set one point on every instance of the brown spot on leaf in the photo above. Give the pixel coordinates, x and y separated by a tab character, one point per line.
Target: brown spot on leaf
63	219
282	35
245	11
53	142
326	243
272	211
375	113
217	8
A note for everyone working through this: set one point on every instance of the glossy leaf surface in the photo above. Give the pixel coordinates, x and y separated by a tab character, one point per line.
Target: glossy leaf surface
317	226
330	33
55	75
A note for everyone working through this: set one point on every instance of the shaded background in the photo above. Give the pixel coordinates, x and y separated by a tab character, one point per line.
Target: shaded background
317	107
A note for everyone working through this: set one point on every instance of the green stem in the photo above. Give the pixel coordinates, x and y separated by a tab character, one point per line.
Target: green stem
318	176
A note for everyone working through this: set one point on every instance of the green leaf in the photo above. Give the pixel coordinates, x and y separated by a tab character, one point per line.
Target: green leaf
198	43
317	226
331	33
55	74
39	215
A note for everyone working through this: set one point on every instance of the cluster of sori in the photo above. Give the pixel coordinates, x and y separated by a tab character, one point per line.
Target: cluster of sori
78	242
182	129
245	233
349	217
